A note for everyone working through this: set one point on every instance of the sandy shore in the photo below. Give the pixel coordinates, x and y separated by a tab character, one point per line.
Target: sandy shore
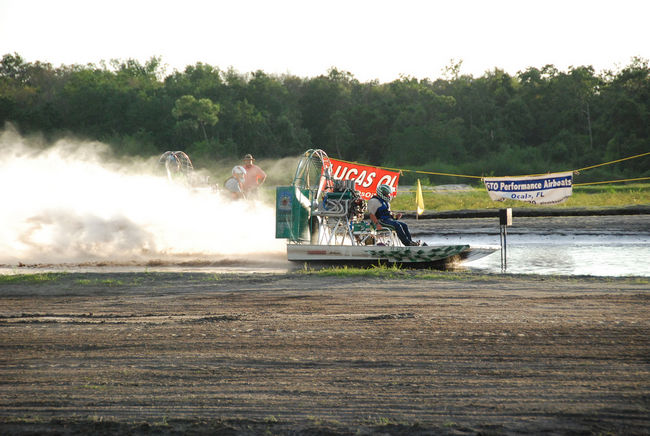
174	353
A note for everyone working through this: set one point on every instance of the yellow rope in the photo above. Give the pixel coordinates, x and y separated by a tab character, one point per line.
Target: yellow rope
614	161
612	181
442	174
401	170
575	184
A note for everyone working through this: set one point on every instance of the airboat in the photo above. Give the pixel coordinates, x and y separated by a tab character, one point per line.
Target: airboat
177	164
178	168
323	220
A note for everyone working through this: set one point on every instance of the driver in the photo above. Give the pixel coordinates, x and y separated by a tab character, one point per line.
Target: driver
381	216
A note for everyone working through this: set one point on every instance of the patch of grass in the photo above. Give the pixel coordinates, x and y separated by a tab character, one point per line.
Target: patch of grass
95	387
381	421
381	271
29	419
633	280
30	278
440	275
104	282
211	278
389	272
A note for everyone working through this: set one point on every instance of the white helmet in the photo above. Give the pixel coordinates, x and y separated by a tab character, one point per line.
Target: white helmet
239	172
385	192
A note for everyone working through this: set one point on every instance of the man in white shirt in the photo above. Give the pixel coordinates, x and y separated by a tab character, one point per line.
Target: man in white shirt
234	184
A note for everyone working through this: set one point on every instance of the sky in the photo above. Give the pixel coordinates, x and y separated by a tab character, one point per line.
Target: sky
374	40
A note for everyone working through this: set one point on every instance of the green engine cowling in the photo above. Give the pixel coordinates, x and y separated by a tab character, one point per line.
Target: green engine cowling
292	215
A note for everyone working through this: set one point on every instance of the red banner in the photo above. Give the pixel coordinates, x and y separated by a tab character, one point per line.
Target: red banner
367	178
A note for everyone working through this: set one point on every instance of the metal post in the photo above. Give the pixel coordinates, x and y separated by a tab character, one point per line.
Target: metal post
505	220
504	249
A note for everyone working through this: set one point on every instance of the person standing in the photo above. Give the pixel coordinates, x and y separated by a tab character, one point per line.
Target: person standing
254	177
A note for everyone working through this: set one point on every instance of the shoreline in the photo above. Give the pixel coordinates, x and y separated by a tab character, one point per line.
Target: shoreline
342	273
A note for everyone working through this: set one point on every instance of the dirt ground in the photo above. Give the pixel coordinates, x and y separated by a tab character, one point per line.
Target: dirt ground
174	353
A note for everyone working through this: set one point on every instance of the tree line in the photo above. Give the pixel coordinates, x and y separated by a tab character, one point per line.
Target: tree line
538	120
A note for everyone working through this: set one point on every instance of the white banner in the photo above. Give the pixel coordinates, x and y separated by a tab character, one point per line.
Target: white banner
547	189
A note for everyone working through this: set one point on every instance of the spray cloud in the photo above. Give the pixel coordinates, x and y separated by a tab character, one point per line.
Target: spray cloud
68	203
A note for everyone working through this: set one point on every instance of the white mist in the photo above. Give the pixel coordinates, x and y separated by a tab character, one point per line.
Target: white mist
66	204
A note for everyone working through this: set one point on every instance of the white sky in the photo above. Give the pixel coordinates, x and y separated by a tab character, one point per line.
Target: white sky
372	39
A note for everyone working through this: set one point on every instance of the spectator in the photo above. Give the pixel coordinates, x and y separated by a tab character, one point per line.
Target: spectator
254	177
235	184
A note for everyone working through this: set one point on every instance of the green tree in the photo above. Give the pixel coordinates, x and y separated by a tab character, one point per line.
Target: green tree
622	115
321	97
251	128
200	112
540	119
338	133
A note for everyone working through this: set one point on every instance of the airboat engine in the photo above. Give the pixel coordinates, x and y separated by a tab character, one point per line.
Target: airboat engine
344	201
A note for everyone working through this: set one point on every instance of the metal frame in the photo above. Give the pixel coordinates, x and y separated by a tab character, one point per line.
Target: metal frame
335	225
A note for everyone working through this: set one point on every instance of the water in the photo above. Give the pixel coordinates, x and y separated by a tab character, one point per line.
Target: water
595	245
609	246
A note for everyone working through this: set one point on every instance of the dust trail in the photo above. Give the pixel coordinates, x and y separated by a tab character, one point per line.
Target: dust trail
69	203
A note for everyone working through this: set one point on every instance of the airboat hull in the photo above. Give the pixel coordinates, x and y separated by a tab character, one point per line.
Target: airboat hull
415	257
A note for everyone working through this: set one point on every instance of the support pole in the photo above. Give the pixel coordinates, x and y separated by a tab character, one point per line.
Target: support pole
505	220
504	249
